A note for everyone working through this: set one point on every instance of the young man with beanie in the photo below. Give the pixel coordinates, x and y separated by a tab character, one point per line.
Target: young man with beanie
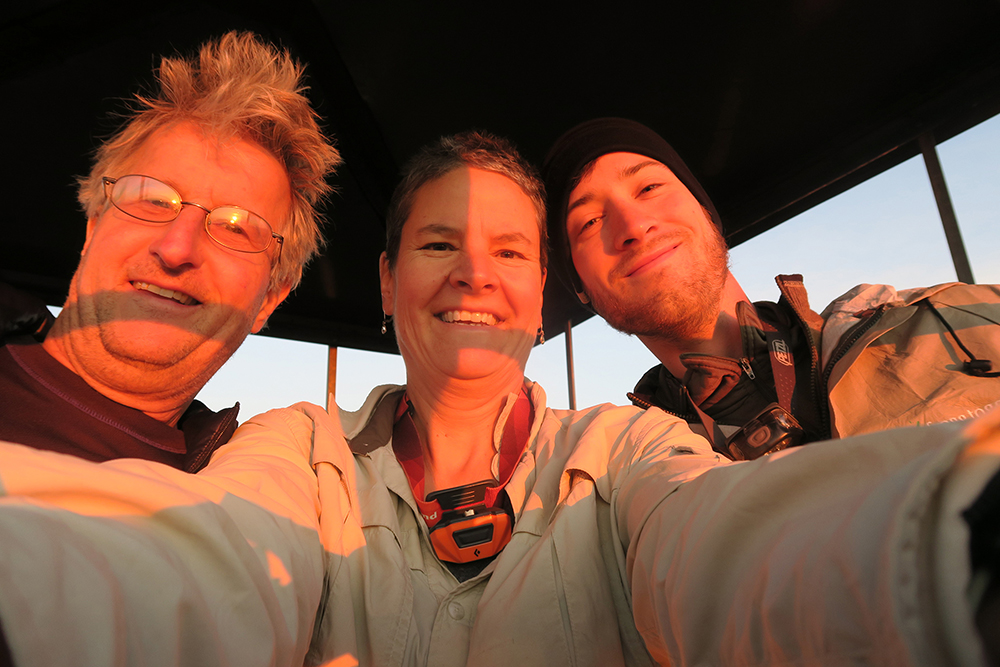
637	238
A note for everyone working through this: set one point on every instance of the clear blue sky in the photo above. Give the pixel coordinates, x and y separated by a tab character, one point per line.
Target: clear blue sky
885	230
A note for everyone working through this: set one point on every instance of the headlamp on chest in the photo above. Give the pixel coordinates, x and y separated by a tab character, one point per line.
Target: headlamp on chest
468	529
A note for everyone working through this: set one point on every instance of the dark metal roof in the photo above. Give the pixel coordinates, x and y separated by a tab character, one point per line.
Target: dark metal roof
775	108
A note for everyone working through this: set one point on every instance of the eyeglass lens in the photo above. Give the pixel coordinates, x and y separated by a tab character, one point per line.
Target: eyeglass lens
151	200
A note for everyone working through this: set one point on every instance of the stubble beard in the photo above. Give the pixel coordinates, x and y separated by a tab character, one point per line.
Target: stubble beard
684	310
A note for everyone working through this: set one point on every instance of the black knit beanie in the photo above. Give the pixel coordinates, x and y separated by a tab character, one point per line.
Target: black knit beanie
585	143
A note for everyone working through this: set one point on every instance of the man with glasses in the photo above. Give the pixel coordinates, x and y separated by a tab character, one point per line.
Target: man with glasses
200	218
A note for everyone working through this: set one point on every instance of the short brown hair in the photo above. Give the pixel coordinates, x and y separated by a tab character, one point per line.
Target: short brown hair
480	150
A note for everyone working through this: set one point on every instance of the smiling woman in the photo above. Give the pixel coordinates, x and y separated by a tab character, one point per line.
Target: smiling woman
465	458
465	291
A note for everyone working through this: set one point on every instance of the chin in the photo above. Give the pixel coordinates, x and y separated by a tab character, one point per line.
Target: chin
152	343
477	363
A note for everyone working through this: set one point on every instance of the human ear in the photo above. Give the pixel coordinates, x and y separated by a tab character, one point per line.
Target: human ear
272	300
387	284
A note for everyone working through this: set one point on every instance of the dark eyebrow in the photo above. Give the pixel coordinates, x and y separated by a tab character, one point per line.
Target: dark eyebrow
512	237
627	172
579	202
439	229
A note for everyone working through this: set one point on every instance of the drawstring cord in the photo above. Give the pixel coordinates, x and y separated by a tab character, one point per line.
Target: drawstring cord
974	367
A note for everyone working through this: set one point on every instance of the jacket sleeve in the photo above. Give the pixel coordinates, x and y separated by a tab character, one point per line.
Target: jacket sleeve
843	552
132	562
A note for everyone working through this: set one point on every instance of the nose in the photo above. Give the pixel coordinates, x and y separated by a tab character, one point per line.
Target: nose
474	271
181	242
630	223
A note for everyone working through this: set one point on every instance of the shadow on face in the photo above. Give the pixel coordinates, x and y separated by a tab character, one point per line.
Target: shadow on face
465	291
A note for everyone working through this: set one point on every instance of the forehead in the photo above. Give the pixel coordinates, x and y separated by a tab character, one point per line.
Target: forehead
615	167
215	170
467	198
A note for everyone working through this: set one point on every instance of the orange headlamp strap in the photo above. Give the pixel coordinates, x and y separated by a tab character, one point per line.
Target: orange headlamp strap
406	445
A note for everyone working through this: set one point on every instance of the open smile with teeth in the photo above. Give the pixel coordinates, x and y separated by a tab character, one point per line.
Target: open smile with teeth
467	317
179	297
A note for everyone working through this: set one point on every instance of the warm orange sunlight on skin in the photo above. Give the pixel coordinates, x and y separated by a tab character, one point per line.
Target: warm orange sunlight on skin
466	299
651	261
466	290
633	227
155	308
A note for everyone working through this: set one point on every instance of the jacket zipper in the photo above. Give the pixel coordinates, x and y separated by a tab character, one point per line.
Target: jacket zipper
852	337
645	405
745	365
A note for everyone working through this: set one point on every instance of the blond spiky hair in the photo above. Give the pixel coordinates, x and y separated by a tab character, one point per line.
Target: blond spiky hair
236	86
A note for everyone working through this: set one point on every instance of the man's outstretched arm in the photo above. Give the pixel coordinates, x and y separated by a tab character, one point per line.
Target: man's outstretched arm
848	551
131	562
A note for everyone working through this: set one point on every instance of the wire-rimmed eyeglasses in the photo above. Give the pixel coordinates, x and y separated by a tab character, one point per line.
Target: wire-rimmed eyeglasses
148	199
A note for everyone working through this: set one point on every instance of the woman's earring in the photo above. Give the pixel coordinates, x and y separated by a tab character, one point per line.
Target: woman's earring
541	335
385	322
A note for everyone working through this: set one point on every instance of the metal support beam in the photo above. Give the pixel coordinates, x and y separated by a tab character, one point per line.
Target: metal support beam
948	219
570	376
331	376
